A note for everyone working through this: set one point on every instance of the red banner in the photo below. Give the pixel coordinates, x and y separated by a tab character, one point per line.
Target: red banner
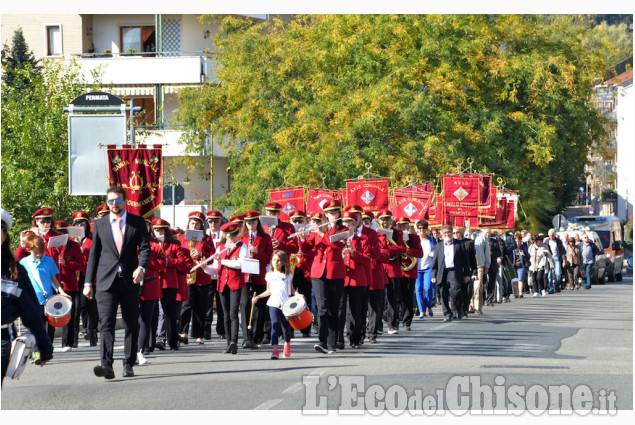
436	213
139	172
484	198
461	194
291	199
411	203
499	219
317	196
370	194
489	211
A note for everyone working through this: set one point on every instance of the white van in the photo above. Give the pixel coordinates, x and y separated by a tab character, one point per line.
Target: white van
609	230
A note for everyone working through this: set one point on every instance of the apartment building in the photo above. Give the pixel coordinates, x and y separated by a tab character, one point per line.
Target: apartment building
147	59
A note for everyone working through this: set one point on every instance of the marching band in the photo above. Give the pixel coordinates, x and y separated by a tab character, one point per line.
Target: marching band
353	268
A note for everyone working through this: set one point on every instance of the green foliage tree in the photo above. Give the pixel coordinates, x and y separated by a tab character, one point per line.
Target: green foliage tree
409	94
35	144
614	41
16	57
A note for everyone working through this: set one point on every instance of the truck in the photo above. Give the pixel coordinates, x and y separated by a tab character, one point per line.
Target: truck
611	240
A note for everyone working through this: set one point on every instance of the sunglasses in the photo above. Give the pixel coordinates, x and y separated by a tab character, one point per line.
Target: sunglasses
45	220
81	223
117	201
213	220
250	221
297	221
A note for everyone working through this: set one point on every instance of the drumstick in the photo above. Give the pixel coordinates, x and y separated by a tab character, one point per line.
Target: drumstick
251	315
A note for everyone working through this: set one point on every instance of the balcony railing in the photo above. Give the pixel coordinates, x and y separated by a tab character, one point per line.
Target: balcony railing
149	67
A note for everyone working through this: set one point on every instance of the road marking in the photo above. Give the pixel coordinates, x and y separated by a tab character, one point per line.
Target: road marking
319	372
293	388
268	404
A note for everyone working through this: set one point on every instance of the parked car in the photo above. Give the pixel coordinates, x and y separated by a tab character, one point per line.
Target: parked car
611	242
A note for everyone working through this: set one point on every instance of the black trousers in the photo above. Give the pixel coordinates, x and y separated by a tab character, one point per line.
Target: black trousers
231	303
350	314
364	313
451	300
69	332
256	333
214	297
146	310
199	297
407	299
393	293
125	295
328	293
491	281
375	311
467	291
303	286
170	305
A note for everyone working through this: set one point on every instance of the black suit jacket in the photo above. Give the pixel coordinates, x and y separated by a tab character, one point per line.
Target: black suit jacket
461	261
104	260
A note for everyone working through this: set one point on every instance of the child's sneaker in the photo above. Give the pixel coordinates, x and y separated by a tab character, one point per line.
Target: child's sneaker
287	350
275	353
35	357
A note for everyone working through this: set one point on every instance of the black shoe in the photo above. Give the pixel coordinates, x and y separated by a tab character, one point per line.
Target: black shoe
207	335
320	349
160	345
356	346
249	344
104	371
127	371
183	339
339	345
228	350
175	348
233	347
265	341
551	292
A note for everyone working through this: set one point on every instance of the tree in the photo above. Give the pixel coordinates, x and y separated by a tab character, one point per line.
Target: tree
614	41
409	94
35	143
16	57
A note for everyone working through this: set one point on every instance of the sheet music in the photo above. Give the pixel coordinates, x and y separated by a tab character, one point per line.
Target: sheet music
268	220
339	236
76	232
305	227
56	241
387	232
193	235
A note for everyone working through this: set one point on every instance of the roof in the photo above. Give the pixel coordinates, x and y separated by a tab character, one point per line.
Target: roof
622	78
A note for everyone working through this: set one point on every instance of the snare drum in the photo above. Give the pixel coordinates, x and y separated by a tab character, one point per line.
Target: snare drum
21	349
297	313
58	311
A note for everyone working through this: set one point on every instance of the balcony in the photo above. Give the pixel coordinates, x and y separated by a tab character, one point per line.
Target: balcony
169	139
118	69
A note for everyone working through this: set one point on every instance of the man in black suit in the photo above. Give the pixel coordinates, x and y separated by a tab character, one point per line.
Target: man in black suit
450	269
118	259
467	288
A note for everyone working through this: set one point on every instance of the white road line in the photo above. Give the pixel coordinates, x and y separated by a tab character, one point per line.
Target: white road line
293	388
268	404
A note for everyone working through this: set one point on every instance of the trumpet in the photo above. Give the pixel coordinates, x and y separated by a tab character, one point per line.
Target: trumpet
313	228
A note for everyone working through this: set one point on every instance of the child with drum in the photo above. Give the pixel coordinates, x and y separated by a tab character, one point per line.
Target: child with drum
42	271
279	289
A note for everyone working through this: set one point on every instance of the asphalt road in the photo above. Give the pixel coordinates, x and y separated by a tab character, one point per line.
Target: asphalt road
575	338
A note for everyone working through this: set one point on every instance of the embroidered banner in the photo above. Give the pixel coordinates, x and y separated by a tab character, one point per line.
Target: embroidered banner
370	194
461	194
316	196
291	199
436	213
411	202
489	211
484	184
139	172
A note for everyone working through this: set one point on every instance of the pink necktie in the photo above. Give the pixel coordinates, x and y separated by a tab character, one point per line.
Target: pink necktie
118	236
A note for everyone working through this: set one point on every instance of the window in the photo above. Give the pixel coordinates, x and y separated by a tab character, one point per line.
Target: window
53	40
146	116
137	39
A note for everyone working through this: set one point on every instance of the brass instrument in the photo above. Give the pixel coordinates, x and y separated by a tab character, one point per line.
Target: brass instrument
392	258
294	260
408	262
191	278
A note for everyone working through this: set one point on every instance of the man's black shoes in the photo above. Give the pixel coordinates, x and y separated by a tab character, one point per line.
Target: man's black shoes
104	371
